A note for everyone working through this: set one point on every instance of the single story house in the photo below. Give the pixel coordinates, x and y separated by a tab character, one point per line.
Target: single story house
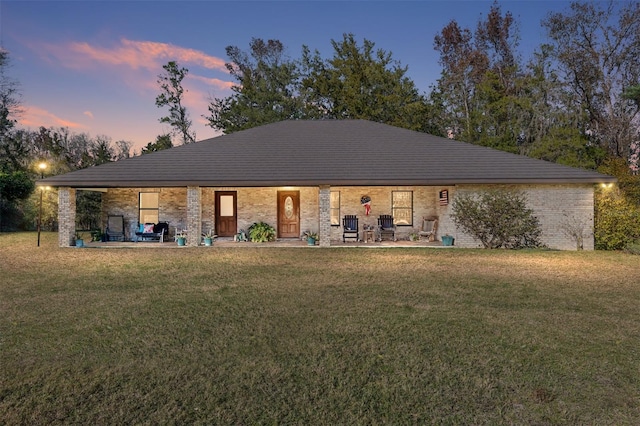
300	175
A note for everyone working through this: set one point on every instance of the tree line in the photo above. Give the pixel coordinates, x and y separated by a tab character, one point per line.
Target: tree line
575	101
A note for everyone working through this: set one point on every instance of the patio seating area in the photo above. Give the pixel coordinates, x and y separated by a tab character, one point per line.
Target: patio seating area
287	242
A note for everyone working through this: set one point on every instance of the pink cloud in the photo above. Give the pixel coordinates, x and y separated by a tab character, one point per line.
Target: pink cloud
137	63
136	66
215	82
182	55
34	116
132	54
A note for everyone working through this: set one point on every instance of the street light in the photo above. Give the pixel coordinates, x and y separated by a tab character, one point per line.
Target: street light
41	166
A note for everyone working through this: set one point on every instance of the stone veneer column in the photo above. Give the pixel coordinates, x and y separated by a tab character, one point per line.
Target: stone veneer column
194	215
324	204
66	216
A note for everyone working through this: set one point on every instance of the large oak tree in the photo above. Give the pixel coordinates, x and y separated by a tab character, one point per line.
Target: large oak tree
361	82
358	82
265	89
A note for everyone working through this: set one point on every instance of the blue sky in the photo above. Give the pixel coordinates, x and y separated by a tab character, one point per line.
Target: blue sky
92	66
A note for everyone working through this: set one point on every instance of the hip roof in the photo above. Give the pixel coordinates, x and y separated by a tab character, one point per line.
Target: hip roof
325	152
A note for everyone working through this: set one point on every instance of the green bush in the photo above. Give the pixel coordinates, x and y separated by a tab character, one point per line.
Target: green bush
633	248
628	183
261	232
617	221
497	219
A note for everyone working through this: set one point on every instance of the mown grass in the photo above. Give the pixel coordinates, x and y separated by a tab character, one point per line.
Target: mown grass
314	336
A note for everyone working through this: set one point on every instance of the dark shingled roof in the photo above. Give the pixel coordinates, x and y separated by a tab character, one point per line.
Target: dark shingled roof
330	152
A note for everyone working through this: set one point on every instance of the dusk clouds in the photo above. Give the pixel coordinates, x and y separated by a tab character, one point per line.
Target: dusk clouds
132	64
34	116
143	56
134	54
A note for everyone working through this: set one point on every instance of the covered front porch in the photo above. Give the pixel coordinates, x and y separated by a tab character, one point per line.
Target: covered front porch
292	211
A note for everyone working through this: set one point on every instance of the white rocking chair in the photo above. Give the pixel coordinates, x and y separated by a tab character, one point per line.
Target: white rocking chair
429	228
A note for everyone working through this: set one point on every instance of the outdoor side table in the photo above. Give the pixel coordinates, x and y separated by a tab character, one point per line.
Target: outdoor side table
368	235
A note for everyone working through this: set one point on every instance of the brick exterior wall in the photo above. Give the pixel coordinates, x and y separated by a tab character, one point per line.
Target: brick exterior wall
552	204
261	205
254	205
125	201
425	204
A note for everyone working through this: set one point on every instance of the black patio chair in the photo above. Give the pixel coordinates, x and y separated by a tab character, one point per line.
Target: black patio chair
350	227
115	228
386	226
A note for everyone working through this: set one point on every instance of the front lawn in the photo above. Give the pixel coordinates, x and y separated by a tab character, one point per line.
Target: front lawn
316	336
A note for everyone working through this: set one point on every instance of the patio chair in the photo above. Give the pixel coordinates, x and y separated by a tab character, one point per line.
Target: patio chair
429	228
386	227
115	228
350	227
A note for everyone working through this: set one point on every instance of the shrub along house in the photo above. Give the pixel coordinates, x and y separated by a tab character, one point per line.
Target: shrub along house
307	174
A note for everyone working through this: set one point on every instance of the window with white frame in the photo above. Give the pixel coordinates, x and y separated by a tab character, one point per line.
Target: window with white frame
149	207
402	207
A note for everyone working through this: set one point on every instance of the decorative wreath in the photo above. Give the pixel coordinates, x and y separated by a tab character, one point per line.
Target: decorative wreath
365	200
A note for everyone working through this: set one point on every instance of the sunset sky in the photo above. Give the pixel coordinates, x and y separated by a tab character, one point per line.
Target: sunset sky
92	66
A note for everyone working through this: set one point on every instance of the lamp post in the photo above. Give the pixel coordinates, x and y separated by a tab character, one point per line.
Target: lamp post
41	166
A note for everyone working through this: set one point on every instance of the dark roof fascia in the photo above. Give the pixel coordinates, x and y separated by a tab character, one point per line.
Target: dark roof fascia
386	182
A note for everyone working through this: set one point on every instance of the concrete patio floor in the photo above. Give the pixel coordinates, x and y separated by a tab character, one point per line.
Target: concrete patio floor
289	242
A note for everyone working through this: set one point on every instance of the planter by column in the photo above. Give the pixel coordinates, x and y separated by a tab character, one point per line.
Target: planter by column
181	241
447	240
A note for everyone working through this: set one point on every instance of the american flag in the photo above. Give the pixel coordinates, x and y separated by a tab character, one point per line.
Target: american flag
444	197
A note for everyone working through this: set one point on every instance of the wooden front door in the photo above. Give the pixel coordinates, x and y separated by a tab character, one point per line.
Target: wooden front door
226	214
288	214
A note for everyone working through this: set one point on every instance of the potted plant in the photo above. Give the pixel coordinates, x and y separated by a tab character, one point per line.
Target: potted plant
311	237
97	235
181	238
79	239
240	237
208	238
